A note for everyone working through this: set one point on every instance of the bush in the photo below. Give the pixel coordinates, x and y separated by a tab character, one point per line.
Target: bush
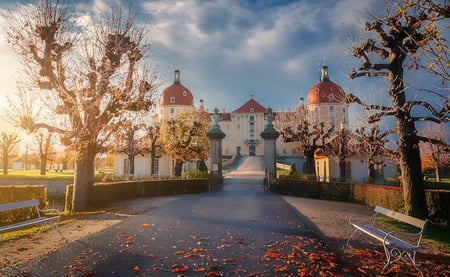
293	169
202	166
105	193
11	194
197	174
438	201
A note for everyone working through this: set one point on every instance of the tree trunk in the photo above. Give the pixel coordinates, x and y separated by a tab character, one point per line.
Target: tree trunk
5	163
309	166
178	168
152	158
371	171
411	169
43	166
342	169
131	159
438	177
83	179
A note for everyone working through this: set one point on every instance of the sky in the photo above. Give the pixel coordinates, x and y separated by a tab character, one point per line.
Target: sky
228	50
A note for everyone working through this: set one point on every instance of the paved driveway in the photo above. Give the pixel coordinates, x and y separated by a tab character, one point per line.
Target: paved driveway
237	230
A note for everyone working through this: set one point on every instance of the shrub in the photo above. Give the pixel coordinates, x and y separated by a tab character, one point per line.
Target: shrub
197	174
293	169
202	166
105	193
11	194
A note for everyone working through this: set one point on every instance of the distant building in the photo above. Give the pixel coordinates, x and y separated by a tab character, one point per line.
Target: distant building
174	100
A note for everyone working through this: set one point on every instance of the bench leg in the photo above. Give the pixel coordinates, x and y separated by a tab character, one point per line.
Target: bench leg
394	255
352	235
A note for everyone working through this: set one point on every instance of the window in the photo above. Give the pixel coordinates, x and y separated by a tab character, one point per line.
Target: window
184	93
227	127
252	118
238	127
227	150
172	99
252	110
317	90
172	110
331	97
252	126
284	151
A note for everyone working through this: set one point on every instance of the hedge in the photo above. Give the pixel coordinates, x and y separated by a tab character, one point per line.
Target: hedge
10	194
438	201
105	193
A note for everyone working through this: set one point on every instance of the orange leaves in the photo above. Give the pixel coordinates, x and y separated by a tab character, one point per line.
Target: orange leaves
179	268
145	225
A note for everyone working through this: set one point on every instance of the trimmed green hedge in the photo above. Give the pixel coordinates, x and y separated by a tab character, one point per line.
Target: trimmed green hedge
10	194
105	193
438	201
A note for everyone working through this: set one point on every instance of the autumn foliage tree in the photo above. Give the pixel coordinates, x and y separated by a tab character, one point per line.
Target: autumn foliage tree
8	143
89	73
184	138
399	35
435	152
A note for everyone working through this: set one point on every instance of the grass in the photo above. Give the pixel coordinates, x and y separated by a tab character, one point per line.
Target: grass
435	235
36	175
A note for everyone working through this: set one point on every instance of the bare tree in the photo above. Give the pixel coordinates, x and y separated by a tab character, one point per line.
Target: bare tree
295	127
129	142
399	36
8	143
372	143
153	144
89	75
45	150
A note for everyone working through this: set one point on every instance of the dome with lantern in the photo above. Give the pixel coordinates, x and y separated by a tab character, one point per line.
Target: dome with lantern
176	94
325	91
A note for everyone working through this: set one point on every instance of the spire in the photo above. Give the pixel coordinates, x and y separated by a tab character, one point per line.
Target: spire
177	78
324	77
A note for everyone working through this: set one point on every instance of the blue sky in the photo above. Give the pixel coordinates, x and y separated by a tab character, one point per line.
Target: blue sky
227	50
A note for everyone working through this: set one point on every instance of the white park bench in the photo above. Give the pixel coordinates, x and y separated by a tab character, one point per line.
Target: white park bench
395	248
39	220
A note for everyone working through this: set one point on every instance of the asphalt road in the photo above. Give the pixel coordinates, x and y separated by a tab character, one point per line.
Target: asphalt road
238	230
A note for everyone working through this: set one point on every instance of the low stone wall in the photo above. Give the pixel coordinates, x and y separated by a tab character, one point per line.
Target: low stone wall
438	201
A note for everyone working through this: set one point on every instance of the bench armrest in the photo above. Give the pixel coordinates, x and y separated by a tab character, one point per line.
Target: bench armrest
51	210
390	234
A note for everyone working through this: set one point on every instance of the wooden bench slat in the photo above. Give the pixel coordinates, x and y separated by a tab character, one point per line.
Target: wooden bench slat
18	205
402	217
379	235
22	224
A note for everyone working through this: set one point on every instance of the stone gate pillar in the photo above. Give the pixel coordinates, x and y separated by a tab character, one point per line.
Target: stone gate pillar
270	136
216	135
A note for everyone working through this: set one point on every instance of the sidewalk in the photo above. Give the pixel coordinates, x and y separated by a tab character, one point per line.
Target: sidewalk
328	219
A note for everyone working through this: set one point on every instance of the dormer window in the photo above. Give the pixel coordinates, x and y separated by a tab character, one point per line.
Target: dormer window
172	99
317	90
331	97
184	93
252	110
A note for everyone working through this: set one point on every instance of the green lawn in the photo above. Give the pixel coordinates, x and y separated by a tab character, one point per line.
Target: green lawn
36	175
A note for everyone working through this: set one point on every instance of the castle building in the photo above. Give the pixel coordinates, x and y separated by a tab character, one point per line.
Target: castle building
243	127
174	100
325	103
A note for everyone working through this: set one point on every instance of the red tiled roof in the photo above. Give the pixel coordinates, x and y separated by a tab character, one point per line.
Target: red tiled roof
181	96
226	117
257	108
325	92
